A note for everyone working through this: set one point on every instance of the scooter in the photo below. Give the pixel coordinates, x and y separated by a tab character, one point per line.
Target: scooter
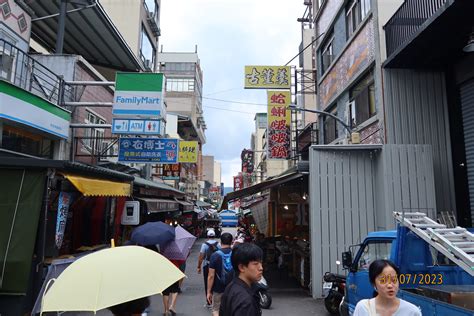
333	288
261	290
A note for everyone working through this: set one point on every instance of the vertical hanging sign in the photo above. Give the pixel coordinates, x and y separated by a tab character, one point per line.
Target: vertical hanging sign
63	209
279	119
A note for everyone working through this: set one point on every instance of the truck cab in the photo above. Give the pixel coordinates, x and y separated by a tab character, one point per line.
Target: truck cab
425	273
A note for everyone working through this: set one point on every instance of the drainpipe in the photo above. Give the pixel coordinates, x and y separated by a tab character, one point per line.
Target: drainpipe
61	27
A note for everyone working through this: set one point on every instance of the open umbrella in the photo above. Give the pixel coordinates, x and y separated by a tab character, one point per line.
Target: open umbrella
179	248
153	233
109	277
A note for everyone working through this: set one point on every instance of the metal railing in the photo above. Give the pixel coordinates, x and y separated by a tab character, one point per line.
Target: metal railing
408	19
23	71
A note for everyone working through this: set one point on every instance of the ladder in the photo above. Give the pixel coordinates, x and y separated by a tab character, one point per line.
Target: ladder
457	243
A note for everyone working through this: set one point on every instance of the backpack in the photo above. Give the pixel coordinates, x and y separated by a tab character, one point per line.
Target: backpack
211	248
227	271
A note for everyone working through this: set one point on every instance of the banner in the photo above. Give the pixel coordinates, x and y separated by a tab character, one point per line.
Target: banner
267	77
279	120
63	209
148	150
188	151
238	182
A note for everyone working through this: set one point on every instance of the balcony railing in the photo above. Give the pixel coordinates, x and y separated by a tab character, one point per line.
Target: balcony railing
408	20
21	70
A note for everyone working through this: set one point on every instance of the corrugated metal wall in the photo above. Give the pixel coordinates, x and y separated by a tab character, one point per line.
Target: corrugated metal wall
416	112
342	207
467	101
404	182
355	191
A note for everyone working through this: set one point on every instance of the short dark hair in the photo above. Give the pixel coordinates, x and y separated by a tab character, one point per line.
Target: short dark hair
244	254
226	239
129	308
377	267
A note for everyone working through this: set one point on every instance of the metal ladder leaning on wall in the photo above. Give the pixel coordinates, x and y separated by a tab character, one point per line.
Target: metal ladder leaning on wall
457	244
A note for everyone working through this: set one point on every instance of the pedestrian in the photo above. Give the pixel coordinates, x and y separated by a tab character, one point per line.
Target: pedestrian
207	249
170	294
383	275
238	298
220	273
131	308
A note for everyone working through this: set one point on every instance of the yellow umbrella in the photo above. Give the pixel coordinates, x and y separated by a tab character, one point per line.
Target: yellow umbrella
110	277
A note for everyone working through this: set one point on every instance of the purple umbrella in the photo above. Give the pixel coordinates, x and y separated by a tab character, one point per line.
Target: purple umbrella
179	248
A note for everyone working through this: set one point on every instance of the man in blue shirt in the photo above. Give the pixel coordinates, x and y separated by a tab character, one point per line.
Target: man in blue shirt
220	270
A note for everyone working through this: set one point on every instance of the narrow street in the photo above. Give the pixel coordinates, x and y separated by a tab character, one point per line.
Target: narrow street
291	301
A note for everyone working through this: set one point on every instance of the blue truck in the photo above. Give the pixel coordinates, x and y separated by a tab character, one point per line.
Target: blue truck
436	266
229	218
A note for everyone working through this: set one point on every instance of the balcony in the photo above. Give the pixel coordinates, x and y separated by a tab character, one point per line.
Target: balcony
427	33
152	19
21	70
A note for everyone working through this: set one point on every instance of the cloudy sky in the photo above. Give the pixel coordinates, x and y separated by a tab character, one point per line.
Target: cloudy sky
231	34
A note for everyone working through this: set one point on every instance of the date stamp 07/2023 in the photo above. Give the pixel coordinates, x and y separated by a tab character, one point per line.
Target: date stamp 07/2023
413	279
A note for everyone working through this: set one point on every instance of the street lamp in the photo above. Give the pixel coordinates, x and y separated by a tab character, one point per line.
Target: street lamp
347	127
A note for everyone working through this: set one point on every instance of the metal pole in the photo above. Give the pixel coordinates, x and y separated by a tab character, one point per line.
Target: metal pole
61	27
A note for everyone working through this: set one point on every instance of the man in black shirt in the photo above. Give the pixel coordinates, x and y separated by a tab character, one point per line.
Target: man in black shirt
238	298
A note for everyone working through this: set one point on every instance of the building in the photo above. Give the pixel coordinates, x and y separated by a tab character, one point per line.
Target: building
140	29
208	168
33	120
184	80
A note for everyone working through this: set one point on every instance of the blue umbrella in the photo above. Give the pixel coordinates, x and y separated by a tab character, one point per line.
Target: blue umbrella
153	233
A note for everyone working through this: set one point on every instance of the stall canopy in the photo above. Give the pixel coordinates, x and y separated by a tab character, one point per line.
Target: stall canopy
99	187
259	187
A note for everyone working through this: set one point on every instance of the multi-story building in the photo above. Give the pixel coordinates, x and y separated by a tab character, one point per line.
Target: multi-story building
184	98
208	168
140	29
257	145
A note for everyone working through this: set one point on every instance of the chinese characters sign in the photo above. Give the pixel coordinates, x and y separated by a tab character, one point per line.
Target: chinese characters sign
171	172
279	119
247	161
139	95
148	150
188	151
238	182
267	77
64	201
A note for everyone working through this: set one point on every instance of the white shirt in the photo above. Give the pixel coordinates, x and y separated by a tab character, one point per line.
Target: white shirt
364	308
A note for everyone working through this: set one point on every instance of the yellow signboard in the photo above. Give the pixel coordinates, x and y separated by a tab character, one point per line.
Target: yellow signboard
188	151
279	120
267	77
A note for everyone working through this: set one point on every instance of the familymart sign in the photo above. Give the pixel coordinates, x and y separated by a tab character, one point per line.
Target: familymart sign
139	95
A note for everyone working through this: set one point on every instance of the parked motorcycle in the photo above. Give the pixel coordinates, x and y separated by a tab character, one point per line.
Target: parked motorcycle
333	288
261	290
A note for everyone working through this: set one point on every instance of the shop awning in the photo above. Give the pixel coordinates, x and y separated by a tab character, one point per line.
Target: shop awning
99	187
187	207
259	187
89	32
160	205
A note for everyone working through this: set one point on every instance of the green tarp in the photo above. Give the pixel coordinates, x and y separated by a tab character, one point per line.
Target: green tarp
21	196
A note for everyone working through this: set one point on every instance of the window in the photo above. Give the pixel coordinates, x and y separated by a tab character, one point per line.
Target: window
330	128
147	50
180	67
374	251
180	85
22	25
6	11
362	105
20	140
93	137
356	11
327	54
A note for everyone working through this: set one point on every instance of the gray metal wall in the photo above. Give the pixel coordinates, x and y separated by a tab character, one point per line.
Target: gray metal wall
355	189
404	182
342	206
416	112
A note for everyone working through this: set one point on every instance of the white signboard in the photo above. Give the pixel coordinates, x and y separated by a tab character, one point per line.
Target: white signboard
139	127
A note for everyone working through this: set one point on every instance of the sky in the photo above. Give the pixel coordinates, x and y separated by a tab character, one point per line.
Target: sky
230	34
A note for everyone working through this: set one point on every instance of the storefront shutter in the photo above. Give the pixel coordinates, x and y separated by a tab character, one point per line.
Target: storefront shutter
467	103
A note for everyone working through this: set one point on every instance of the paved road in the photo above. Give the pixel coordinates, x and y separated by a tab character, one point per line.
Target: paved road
292	301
